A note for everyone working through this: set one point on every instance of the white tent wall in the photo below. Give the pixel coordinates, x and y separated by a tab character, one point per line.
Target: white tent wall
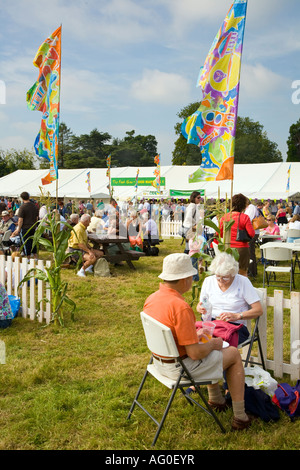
261	181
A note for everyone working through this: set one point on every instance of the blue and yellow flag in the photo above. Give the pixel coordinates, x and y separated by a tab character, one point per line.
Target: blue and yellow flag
44	96
88	181
289	179
212	127
156	182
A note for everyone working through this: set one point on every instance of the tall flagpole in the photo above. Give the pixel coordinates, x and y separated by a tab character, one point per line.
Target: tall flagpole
56	182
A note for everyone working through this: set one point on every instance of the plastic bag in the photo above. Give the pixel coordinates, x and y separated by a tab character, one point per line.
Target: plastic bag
15	303
257	377
101	268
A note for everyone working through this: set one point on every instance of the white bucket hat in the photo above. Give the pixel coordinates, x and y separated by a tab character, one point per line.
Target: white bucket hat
177	266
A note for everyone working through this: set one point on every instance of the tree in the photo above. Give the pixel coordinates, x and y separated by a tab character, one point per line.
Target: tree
251	144
13	160
64	143
293	142
183	153
87	150
3	167
133	150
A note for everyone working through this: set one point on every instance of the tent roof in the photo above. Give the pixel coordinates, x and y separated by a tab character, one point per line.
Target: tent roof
262	181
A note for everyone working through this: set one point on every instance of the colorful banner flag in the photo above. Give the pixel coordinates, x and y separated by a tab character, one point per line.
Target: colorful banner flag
156	181
137	179
289	178
88	181
212	127
44	96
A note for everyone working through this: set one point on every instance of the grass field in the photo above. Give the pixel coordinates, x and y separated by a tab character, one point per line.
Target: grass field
71	388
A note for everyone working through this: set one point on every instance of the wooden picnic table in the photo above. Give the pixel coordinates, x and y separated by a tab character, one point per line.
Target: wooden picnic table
103	242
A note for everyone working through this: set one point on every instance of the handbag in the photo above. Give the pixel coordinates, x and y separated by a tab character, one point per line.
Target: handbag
259	222
183	231
242	235
15	303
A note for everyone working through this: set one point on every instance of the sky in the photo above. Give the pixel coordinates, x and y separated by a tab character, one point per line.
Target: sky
133	65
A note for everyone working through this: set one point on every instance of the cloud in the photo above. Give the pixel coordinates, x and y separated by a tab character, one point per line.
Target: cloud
161	87
257	82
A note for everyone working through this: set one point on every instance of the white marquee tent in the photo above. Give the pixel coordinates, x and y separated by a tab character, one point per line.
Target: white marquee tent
262	181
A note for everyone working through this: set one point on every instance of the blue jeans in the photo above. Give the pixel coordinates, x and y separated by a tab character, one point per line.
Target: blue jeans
195	265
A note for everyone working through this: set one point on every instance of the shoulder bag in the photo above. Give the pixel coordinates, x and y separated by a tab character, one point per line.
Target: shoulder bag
242	235
259	222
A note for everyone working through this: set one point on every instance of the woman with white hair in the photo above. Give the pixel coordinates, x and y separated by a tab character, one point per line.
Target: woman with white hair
232	296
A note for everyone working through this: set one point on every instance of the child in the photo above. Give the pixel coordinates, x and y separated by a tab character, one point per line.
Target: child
196	244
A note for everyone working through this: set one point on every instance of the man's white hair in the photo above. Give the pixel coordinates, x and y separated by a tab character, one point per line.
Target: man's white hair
85	218
74	217
224	264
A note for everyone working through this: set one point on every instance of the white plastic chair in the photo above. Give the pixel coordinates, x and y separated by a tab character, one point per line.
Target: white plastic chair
5	238
297	260
254	336
161	343
293	233
278	254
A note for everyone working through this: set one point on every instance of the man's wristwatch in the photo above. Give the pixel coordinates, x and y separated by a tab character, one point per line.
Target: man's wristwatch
241	316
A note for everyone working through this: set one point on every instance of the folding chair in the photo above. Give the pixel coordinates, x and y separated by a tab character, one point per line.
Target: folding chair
293	233
6	236
278	254
254	336
161	343
297	260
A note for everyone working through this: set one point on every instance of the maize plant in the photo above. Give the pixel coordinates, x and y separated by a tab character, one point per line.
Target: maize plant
51	238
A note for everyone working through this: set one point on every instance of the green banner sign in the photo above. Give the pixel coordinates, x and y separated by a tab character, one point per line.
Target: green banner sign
131	181
179	193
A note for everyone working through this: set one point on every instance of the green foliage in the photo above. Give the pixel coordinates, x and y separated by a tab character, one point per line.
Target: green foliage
218	210
87	150
183	153
91	150
133	150
252	144
293	143
13	160
57	245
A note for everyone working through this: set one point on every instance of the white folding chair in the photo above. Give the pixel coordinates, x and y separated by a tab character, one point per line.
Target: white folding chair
297	260
161	343
293	233
254	336
275	255
5	238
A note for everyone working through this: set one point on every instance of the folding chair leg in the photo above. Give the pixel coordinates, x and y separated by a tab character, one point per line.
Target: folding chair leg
135	401
160	425
261	353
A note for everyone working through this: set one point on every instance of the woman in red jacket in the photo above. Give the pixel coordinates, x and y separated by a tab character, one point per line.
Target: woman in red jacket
239	204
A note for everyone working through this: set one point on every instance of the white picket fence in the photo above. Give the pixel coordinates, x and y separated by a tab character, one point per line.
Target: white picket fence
170	228
284	315
11	272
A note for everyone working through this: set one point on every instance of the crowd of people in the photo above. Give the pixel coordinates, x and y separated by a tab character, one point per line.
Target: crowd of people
139	221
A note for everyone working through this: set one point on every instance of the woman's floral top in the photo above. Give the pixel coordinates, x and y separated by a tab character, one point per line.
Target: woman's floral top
5	310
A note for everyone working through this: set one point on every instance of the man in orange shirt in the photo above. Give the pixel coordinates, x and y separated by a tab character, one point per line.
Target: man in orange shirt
204	360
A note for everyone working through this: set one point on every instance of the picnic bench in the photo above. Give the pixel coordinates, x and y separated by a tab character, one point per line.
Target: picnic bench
117	255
